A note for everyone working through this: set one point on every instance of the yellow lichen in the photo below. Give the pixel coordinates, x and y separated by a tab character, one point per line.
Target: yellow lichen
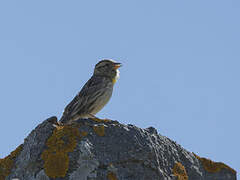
7	163
111	176
62	141
99	130
212	166
180	172
83	133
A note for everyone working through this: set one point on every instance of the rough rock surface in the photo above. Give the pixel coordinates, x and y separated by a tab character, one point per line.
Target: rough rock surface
106	150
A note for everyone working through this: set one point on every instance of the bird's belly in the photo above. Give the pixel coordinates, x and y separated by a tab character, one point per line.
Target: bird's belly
102	101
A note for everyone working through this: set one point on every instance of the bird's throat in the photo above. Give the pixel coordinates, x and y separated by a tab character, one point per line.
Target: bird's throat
114	80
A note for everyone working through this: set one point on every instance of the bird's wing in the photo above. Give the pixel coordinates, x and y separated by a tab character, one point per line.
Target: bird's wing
85	98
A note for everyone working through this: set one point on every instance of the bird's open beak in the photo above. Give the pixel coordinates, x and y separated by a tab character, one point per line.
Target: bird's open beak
117	65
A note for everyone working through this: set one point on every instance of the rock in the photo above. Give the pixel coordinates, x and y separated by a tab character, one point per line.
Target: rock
105	150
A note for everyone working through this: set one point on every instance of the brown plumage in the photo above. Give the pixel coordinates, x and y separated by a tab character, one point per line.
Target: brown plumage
95	93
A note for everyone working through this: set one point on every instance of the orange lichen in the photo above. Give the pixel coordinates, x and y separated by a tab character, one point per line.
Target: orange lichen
99	130
62	141
212	166
112	176
180	172
7	163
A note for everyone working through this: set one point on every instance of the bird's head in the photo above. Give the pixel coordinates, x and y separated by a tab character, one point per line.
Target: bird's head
107	68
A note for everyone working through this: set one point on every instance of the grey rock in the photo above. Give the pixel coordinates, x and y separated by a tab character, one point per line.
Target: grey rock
112	151
87	164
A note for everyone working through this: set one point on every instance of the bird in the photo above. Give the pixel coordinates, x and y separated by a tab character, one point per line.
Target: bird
95	94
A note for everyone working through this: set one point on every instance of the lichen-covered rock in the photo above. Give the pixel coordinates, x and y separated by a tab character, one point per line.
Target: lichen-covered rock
106	150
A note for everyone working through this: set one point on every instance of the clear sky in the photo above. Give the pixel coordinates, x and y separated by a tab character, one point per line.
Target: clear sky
180	69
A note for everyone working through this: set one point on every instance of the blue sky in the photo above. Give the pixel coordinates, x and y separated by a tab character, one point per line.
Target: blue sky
180	69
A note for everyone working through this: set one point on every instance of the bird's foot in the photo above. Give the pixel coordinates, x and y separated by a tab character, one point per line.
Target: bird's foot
94	118
100	120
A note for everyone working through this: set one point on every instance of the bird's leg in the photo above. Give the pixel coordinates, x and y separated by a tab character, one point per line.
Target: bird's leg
94	118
